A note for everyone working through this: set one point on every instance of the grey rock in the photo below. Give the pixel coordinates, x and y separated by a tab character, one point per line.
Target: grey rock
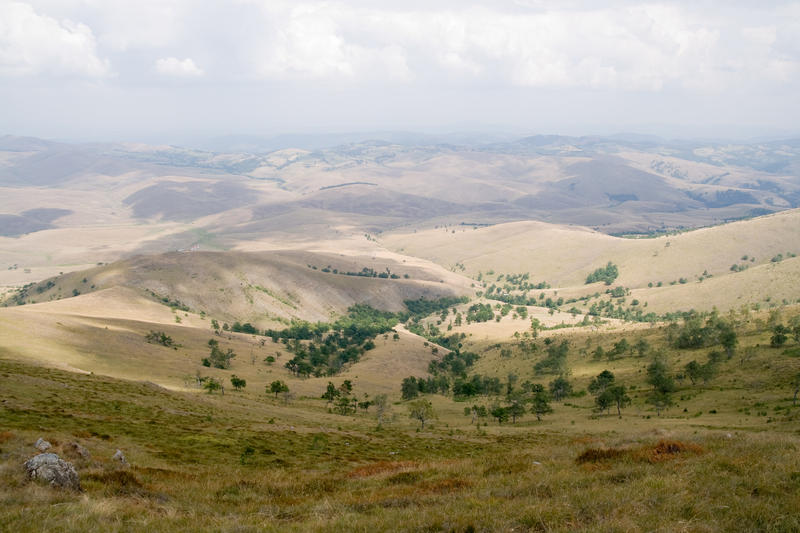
77	450
50	468
42	445
119	456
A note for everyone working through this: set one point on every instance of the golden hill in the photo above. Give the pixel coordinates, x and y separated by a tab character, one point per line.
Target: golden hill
564	255
260	287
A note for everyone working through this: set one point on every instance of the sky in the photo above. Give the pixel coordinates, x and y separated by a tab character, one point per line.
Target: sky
171	70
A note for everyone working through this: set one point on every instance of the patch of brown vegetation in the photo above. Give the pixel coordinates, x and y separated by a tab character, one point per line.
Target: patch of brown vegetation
596	455
665	450
446	485
118	482
6	436
381	467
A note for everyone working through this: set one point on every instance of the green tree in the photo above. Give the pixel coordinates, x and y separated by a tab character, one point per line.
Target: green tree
409	388
560	388
693	371
540	401
331	392
621	347
662	383
619	397
218	358
516	406
604	400
796	387
277	387
477	412
421	410
500	413
237	382
641	347
600	383
728	340
780	334
211	385
606	274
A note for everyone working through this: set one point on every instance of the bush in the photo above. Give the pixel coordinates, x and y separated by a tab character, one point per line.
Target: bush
606	274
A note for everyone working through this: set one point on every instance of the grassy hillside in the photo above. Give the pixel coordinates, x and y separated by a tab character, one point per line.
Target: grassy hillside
563	257
722	458
263	288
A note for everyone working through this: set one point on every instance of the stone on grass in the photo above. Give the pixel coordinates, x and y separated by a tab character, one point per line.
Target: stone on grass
76	449
119	456
42	445
50	468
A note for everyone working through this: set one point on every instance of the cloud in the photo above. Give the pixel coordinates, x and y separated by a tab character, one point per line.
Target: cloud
32	44
629	46
172	66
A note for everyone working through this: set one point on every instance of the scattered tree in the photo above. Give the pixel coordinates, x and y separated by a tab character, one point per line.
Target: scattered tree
560	388
211	385
237	382
780	334
218	358
619	397
500	413
540	401
159	337
421	410
277	387
601	382
381	402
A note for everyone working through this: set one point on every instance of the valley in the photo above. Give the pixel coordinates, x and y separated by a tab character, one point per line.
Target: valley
583	333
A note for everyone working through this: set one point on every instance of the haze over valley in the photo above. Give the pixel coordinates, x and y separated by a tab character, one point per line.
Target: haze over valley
341	266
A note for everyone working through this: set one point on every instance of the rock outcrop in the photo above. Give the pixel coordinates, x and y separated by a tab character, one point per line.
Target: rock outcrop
50	468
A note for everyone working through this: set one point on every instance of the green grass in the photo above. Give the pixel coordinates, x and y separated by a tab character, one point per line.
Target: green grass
215	463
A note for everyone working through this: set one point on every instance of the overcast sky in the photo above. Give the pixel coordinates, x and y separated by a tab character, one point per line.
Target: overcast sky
167	70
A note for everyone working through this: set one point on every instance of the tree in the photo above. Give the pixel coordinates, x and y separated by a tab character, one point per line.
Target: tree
277	387
780	334
663	385
603	400
409	388
560	388
500	413
345	404
641	347
159	337
619	396
796	385
211	385
728	340
477	411
516	407
237	382
599	384
218	358
421	410
381	402
693	371
330	393
606	274
621	347
540	402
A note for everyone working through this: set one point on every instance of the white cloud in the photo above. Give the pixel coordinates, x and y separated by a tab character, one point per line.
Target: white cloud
630	46
172	66
31	44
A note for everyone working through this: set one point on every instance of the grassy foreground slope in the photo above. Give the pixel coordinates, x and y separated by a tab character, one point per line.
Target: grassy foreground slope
231	463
